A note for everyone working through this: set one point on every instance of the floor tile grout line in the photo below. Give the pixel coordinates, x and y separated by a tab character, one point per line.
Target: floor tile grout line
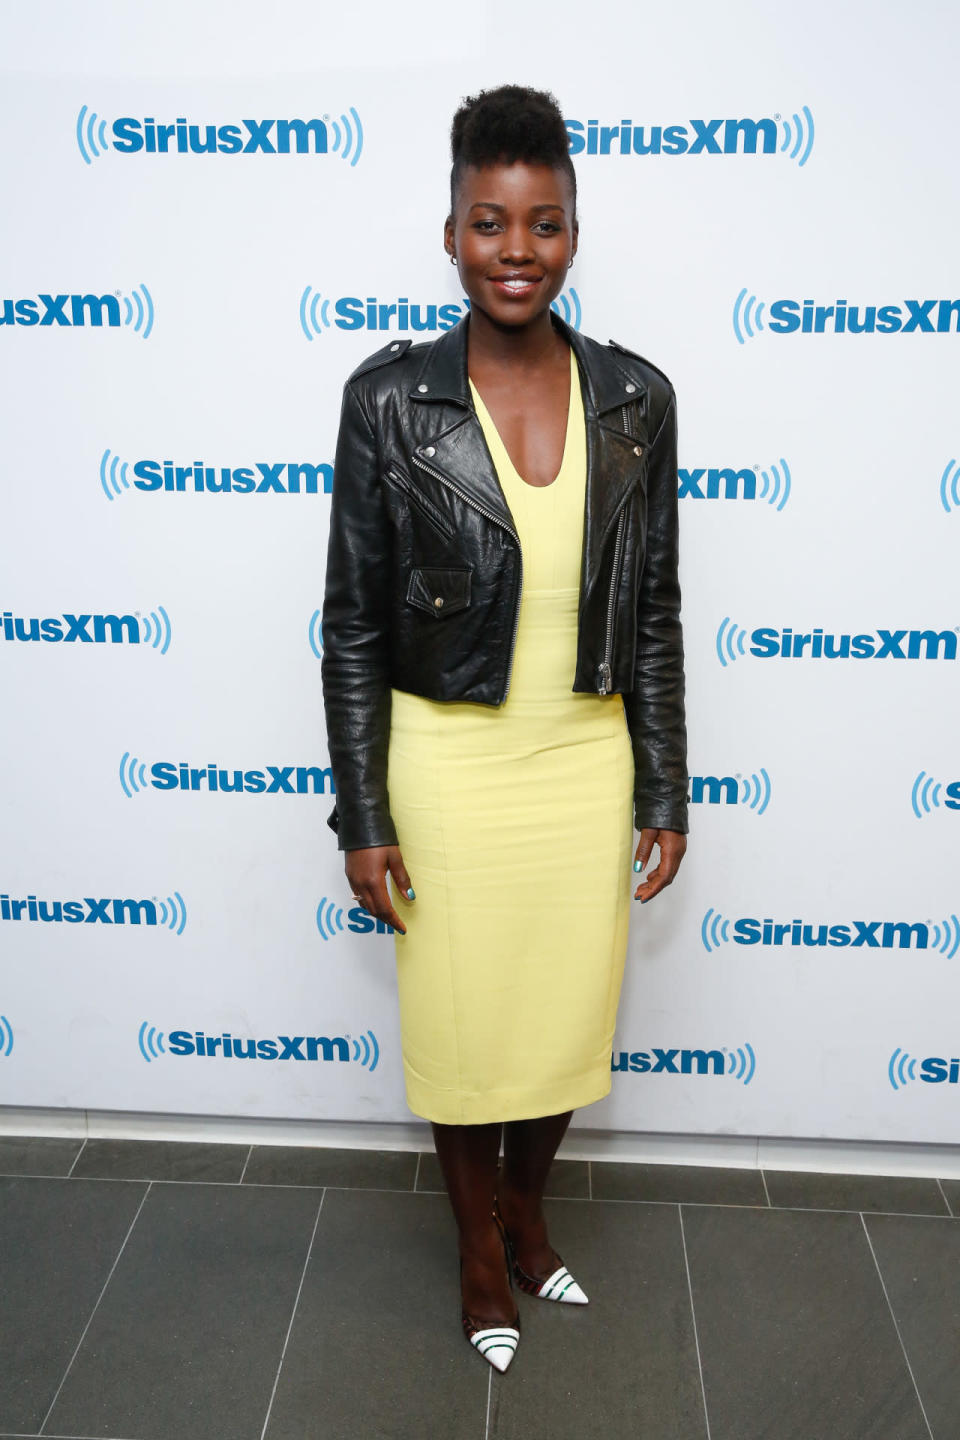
395	1190
896	1326
945	1200
416	1173
765	1190
245	1164
34	1435
693	1317
293	1312
486	1422
94	1310
77	1157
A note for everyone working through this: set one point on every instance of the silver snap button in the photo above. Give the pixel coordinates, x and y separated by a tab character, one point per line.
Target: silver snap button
395	345
429	450
422	389
638	449
439	601
629	388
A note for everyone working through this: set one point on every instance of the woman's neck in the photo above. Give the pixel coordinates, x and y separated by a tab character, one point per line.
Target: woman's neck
537	346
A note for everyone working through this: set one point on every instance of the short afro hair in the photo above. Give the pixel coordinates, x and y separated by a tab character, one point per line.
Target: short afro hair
509	124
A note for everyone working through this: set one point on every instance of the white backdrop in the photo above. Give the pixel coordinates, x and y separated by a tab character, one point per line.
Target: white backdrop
825	789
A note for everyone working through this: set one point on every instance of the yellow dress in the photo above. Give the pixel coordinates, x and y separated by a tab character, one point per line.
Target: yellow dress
515	824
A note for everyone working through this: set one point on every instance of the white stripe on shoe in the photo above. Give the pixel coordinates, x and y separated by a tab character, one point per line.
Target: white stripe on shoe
562	1286
497	1345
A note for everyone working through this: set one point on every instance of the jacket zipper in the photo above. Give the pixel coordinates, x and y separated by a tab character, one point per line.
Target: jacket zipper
606	672
605	683
402	483
475	505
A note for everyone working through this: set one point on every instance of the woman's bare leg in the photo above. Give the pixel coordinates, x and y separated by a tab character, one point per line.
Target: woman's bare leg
468	1156
529	1147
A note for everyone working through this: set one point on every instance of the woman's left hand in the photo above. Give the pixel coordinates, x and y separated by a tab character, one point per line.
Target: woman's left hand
673	847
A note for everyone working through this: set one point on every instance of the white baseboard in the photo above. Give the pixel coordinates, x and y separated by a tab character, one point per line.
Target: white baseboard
862	1157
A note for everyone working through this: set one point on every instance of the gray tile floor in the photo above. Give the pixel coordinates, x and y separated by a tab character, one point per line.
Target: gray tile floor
180	1291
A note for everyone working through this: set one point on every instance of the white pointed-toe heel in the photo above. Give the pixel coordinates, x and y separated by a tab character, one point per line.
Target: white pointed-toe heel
498	1344
558	1286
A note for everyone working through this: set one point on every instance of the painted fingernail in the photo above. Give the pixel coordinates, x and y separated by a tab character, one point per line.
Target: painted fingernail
410	894
638	865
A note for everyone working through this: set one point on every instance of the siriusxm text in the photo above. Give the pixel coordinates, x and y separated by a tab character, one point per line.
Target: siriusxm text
88	911
271	780
858	934
787	317
288	477
768	643
695	137
283	1047
717	484
247	137
935	1070
352	313
670	1062
69	629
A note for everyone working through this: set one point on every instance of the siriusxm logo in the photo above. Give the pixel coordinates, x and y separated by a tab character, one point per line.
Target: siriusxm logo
349	312
935	1069
770	135
366	1050
739	1063
767	643
950	487
114	310
282	477
858	934
136	629
315	634
806	317
333	921
753	790
131	136
726	483
170	913
926	793
6	1037
177	777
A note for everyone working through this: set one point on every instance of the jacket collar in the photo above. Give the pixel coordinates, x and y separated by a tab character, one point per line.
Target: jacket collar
460	452
443	374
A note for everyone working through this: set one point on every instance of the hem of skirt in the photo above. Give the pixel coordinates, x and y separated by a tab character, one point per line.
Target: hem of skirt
445	1107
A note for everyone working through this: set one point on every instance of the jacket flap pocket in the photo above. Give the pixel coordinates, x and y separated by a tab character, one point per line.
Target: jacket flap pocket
441	592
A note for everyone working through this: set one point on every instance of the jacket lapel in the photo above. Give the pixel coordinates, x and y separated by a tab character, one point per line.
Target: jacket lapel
460	450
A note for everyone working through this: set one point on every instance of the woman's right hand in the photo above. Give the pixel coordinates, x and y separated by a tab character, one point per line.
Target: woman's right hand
367	875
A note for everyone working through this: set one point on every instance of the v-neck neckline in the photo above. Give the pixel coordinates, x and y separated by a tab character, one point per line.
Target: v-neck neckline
478	399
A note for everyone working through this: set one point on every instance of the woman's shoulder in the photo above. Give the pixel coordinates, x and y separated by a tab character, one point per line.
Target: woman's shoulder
399	350
647	366
653	385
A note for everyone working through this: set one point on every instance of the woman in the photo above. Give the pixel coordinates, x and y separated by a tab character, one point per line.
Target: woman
503	681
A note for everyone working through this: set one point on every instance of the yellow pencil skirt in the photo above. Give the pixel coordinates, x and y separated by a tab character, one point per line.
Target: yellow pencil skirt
516	826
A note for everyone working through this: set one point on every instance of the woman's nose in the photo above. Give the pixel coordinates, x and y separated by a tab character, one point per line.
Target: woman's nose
515	244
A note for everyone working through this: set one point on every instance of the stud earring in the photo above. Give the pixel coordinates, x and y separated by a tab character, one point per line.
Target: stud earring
453	259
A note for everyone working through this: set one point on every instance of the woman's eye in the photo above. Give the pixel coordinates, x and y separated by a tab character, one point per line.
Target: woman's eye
480	224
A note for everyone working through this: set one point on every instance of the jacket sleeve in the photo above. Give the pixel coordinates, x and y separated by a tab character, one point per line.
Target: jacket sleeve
355	667
655	706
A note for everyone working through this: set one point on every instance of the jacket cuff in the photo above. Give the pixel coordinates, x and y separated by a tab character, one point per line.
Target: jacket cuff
362	832
661	816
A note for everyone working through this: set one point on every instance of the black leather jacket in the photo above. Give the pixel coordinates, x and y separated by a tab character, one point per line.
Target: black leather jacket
424	568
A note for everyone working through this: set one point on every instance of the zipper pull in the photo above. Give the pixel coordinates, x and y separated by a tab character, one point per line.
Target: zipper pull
606	679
